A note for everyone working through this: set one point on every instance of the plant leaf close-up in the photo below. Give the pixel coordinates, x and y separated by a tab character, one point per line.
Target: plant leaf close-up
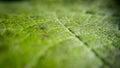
59	34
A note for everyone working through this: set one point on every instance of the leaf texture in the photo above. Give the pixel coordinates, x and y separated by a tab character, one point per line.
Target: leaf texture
58	34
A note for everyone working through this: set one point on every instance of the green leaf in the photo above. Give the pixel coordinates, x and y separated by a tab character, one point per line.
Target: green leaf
58	34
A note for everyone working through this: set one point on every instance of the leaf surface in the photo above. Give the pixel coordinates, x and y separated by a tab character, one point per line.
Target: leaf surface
58	34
